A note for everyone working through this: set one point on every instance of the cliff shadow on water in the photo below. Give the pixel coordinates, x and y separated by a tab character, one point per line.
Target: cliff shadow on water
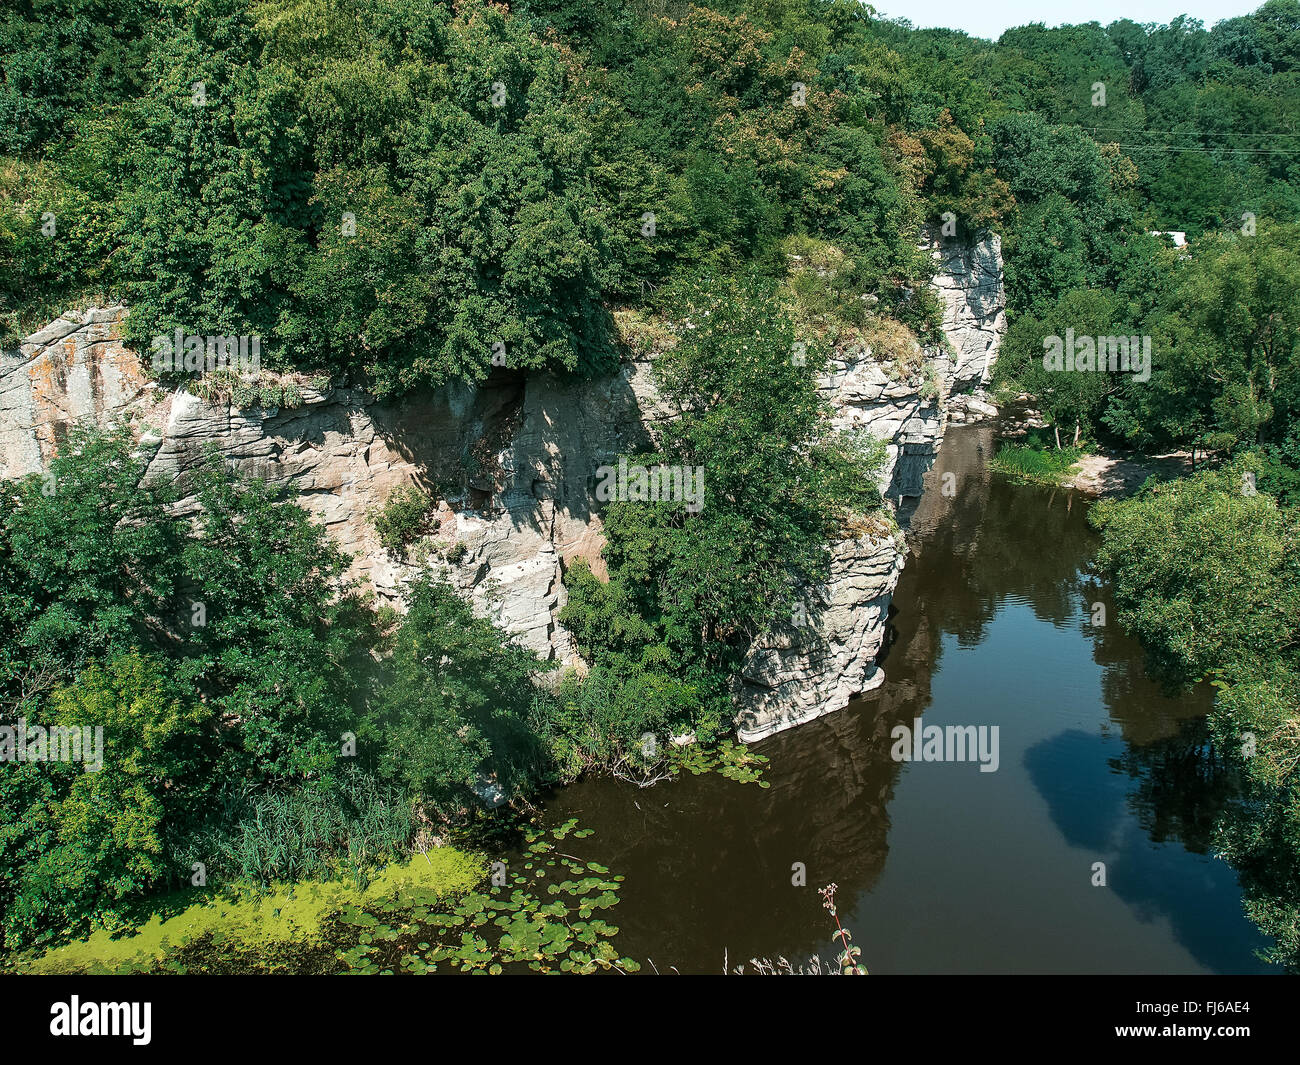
942	867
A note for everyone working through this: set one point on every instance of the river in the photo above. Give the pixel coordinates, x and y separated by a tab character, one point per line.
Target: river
942	868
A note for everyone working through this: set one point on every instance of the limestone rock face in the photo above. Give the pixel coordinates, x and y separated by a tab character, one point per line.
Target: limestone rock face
910	414
969	281
535	509
895	411
827	653
513	463
73	369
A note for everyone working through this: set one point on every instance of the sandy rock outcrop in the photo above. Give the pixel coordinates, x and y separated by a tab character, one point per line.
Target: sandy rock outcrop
74	369
969	282
513	462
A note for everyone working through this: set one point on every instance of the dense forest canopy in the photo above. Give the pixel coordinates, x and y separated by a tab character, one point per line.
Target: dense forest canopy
393	193
376	186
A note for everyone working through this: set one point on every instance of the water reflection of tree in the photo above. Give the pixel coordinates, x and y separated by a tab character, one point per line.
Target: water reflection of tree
974	557
1179	790
1188	791
1174	791
1144	710
1183	789
708	862
1258	837
1181	786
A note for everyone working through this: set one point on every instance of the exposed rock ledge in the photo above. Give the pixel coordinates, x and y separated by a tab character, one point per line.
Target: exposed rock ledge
827	653
512	463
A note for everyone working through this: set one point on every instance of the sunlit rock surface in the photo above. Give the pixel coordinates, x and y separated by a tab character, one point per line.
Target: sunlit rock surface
827	653
512	464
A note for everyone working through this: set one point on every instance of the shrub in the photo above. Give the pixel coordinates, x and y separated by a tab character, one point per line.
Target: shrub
1023	462
403	517
106	830
287	929
352	824
453	703
1205	573
599	720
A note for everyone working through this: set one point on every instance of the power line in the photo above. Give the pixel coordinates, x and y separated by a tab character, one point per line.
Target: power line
1208	148
1182	133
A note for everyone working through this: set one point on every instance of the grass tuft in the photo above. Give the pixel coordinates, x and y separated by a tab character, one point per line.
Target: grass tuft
1025	463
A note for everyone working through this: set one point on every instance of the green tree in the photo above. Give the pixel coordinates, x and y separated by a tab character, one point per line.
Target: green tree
692	582
110	827
1226	360
1073	399
58	57
271	626
89	559
1254	723
1205	571
453	703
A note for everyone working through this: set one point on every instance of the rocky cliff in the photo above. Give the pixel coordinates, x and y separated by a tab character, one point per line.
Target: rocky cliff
512	463
826	653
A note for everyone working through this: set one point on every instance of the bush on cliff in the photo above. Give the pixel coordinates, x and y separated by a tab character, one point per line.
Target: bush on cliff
693	581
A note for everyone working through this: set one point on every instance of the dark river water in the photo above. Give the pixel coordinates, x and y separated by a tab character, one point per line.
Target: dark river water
942	868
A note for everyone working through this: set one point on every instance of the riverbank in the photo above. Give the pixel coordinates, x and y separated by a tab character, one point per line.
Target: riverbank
1094	473
539	908
1119	474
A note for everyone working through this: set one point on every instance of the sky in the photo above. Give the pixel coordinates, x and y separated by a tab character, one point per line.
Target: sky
988	18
